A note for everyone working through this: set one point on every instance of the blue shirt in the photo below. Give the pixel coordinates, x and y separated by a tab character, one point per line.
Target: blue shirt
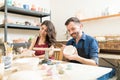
89	44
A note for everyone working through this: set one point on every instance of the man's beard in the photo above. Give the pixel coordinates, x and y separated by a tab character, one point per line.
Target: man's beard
75	35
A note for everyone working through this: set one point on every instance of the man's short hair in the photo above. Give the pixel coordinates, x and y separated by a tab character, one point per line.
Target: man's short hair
72	19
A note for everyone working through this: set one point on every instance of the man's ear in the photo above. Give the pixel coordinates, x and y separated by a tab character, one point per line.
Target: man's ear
81	26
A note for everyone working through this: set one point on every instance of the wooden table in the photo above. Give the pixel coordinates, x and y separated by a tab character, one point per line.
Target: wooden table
115	57
72	71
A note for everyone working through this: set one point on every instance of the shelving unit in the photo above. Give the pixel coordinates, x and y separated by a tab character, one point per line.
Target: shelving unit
22	11
16	10
101	17
17	26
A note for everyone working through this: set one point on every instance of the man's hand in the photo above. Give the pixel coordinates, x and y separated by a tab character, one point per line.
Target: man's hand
71	57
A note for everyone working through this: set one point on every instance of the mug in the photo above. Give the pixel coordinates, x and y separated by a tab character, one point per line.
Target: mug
7	60
25	6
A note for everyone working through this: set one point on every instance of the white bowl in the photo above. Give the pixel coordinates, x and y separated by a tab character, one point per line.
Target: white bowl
69	50
27	60
27	63
28	53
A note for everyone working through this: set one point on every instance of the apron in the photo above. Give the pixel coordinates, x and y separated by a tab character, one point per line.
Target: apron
81	52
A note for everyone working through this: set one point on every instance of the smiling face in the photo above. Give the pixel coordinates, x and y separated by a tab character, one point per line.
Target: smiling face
74	29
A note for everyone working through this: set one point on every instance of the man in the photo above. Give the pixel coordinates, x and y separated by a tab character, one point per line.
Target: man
86	46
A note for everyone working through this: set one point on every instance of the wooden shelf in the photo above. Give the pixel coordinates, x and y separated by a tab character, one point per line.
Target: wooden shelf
101	17
22	11
17	26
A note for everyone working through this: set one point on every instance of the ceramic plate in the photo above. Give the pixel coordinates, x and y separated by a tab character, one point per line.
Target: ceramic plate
25	75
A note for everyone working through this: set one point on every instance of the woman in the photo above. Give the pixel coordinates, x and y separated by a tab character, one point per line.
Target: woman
46	39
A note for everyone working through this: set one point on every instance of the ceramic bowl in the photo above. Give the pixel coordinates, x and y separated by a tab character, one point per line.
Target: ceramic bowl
69	50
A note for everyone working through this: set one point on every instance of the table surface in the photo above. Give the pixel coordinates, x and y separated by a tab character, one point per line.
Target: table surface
72	71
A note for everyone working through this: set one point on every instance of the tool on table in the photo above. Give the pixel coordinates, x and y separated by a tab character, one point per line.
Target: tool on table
46	57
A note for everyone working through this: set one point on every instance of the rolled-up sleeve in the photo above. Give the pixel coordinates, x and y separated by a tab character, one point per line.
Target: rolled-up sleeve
93	52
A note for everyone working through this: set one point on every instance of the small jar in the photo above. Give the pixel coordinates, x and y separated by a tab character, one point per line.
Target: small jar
9	2
33	7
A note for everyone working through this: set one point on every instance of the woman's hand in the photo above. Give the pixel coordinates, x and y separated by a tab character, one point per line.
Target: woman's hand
63	46
33	55
51	52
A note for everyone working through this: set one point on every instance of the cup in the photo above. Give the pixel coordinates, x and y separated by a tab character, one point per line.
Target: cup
7	61
26	6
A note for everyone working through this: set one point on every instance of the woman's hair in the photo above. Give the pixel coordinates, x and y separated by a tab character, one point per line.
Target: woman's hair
51	34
